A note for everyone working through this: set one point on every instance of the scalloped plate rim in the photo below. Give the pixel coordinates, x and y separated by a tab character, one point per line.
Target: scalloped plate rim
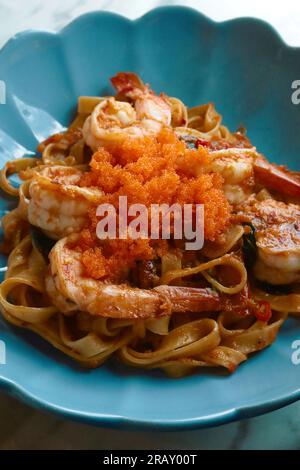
122	421
162	9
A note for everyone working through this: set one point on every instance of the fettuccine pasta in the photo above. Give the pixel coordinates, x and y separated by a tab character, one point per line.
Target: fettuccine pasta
150	302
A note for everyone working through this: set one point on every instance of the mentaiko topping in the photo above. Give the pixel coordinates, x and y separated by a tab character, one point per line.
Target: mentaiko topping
149	170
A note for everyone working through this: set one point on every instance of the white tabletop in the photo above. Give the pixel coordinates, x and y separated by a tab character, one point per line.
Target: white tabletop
24	428
17	15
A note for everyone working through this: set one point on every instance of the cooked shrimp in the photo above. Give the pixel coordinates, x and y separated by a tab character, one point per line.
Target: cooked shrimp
151	109
57	205
236	168
277	236
70	290
114	120
244	168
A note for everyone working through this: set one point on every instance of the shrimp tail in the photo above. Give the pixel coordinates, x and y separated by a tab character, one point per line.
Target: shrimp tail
276	178
191	299
128	84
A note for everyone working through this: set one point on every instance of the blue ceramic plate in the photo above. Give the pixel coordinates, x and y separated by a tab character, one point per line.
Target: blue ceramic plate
247	70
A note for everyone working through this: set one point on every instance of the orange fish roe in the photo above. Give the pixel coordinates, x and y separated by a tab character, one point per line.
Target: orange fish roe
115	257
149	170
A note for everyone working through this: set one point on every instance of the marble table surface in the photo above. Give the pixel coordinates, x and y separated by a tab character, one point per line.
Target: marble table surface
24	428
